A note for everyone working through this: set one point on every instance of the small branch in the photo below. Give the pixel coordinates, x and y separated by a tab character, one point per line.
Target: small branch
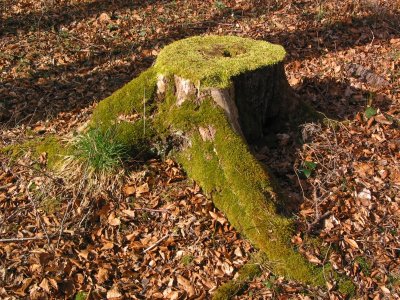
39	171
299	181
323	266
144	111
37	213
23	239
156	243
69	206
152	209
311	226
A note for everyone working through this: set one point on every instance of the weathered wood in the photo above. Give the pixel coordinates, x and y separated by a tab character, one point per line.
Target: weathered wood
253	100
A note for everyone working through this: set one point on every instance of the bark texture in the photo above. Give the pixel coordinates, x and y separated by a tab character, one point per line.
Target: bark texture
251	102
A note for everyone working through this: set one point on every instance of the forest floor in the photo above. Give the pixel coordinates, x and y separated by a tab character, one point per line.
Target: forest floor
152	234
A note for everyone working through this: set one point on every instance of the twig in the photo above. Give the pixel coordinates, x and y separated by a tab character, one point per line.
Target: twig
156	243
3	187
38	171
144	111
8	240
152	209
315	198
373	38
85	216
37	213
24	239
70	203
298	179
311	226
18	210
323	266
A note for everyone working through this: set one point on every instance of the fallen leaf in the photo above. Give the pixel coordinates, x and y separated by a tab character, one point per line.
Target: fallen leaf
130	213
186	284
113	294
107	246
353	244
364	194
144	188
102	275
129	190
40	129
104	18
45	285
364	169
113	220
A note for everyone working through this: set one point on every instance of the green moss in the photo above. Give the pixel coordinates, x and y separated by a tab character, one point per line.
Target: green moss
346	287
364	265
235	286
126	111
50	205
211	61
56	150
51	145
344	284
187	259
81	295
248	272
239	185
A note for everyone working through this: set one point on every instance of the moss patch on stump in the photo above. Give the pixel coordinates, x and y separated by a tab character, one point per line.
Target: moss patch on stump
212	61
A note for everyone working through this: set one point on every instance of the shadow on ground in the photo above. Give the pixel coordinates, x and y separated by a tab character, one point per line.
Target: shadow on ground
43	95
339	100
54	15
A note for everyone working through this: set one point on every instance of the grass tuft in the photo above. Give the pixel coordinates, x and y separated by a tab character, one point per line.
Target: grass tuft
99	151
95	162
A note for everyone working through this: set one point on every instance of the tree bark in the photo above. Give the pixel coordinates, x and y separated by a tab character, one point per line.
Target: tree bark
252	102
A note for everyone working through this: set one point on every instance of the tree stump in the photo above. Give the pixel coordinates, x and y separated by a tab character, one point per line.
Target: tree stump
244	77
205	99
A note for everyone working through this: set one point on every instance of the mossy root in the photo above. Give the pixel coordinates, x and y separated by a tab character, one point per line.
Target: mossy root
248	272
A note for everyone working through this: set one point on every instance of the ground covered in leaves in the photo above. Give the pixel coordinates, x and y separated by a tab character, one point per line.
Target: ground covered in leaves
152	234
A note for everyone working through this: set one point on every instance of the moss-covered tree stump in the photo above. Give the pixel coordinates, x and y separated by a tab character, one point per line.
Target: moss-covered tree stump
204	100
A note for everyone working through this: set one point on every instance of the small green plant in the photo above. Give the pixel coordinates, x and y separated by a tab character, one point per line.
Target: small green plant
81	295
50	205
370	112
364	265
394	280
112	27
269	283
99	151
220	5
396	55
63	34
320	14
187	259
308	168
344	184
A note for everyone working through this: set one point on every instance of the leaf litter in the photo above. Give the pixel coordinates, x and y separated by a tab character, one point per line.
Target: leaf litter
164	241
157	236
